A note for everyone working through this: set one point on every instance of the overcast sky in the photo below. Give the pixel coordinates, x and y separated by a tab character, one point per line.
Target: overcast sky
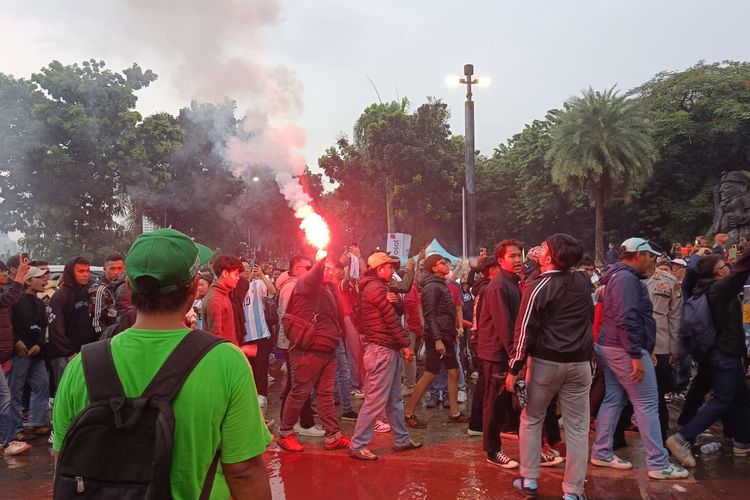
537	53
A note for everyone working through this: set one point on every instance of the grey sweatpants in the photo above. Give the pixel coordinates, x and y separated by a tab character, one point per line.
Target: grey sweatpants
571	382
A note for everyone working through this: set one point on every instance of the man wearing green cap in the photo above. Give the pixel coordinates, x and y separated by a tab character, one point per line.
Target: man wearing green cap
217	406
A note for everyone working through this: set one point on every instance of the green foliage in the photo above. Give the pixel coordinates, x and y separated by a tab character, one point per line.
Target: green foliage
601	146
701	124
403	172
69	133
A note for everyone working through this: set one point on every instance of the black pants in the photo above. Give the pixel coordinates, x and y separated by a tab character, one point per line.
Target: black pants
596	396
551	428
696	394
664	384
306	414
477	401
497	407
259	363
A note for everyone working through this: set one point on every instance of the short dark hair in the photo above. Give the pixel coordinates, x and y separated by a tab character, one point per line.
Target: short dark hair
295	260
81	261
115	257
147	300
13	261
502	247
38	263
706	265
564	250
226	263
586	260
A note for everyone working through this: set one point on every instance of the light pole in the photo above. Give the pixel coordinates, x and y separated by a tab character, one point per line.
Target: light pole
471	202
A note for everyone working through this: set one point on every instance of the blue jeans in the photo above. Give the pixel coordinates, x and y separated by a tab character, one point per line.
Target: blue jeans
33	371
439	385
382	391
731	399
644	397
343	378
7	426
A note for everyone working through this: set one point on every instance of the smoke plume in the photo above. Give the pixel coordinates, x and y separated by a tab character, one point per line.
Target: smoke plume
217	52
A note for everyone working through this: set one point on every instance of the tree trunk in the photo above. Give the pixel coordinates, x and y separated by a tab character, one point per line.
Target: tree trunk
599	226
389	205
137	218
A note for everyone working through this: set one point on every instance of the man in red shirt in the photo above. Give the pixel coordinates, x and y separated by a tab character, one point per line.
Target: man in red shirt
415	326
218	314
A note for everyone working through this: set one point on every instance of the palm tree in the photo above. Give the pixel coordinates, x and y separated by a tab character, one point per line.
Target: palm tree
601	146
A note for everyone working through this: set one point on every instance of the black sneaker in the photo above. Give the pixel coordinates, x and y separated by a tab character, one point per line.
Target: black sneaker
349	416
502	460
413	421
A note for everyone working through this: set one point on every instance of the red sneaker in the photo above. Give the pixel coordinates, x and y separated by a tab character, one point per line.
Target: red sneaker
339	444
290	443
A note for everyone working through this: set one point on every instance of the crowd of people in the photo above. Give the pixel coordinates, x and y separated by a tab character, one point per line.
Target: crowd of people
547	342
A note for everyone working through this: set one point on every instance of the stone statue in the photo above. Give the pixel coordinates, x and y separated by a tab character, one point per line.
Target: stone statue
732	205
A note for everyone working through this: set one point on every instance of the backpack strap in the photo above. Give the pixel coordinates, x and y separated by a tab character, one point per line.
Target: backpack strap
99	371
179	365
208	484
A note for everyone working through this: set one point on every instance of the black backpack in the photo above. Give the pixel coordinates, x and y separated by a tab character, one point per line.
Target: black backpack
697	331
120	447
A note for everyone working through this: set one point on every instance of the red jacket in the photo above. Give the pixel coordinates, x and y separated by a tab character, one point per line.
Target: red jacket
378	322
218	314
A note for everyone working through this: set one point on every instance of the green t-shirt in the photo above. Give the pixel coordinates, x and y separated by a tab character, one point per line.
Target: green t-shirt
217	407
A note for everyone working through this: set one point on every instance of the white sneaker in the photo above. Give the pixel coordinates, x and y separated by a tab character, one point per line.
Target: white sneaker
16	448
314	431
472	432
262	401
615	463
271	379
357	394
461	396
671	472
382	427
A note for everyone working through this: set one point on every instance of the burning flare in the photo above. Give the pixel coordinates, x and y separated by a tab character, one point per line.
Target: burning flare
315	227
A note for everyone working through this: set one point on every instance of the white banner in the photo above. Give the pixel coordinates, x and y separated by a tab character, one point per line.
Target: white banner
398	245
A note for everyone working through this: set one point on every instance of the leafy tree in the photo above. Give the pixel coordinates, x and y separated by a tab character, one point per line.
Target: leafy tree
701	127
402	172
64	143
601	146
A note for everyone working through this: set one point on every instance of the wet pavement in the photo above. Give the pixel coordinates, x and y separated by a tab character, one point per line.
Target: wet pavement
451	465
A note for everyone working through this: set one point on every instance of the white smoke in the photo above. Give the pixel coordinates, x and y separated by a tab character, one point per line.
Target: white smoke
217	52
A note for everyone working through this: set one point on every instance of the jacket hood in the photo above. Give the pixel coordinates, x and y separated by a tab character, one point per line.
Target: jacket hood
69	277
617	268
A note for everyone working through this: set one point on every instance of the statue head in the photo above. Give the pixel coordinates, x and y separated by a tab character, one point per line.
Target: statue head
733	184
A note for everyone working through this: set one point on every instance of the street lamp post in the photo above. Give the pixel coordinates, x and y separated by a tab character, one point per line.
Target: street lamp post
471	202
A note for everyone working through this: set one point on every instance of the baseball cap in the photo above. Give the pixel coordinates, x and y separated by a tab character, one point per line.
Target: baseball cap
680	262
431	260
380	258
35	272
639	245
166	255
